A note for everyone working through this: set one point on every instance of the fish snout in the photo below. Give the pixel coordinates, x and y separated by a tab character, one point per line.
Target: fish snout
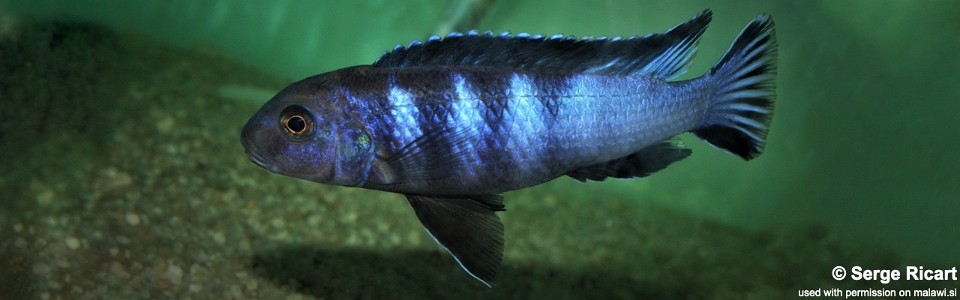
248	137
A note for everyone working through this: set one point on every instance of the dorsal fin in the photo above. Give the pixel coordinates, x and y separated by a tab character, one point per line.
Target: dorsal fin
657	55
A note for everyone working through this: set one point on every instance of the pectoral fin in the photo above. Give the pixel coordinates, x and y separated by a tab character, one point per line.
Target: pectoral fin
435	155
467	227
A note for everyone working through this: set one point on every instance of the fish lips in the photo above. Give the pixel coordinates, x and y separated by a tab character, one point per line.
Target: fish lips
248	137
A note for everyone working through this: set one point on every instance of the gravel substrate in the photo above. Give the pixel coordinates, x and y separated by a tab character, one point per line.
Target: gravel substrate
124	178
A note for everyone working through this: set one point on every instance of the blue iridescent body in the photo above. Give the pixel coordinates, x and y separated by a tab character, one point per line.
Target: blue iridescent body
524	128
453	122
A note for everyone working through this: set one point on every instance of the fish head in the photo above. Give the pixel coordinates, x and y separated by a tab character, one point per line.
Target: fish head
304	132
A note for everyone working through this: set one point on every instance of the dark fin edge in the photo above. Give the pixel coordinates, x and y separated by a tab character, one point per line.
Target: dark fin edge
647	161
662	56
742	108
467	227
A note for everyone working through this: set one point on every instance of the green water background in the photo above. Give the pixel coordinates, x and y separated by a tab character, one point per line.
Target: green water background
863	141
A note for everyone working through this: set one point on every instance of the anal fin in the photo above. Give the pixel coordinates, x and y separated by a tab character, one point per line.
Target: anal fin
467	227
642	163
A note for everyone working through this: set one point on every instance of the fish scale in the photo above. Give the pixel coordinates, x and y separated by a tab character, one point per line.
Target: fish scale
452	122
524	121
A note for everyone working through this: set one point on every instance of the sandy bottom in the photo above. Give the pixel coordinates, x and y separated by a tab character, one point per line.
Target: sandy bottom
124	178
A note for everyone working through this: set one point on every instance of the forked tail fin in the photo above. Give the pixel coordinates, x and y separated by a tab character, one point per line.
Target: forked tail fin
744	80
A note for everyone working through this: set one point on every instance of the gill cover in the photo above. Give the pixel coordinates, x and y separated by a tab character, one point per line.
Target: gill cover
354	156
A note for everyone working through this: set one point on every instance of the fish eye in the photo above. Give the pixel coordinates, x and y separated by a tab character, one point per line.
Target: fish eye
296	121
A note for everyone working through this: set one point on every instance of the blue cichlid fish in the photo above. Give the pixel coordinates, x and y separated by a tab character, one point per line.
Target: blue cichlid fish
453	122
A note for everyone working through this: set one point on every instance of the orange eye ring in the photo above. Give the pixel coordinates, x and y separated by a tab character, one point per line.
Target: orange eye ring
296	121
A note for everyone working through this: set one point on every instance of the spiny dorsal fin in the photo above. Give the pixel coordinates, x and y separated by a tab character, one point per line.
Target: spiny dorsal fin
663	55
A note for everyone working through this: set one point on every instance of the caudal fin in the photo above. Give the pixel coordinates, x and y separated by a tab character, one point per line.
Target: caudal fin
745	81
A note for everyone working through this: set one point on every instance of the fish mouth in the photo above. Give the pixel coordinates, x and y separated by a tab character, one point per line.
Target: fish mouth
253	153
257	159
